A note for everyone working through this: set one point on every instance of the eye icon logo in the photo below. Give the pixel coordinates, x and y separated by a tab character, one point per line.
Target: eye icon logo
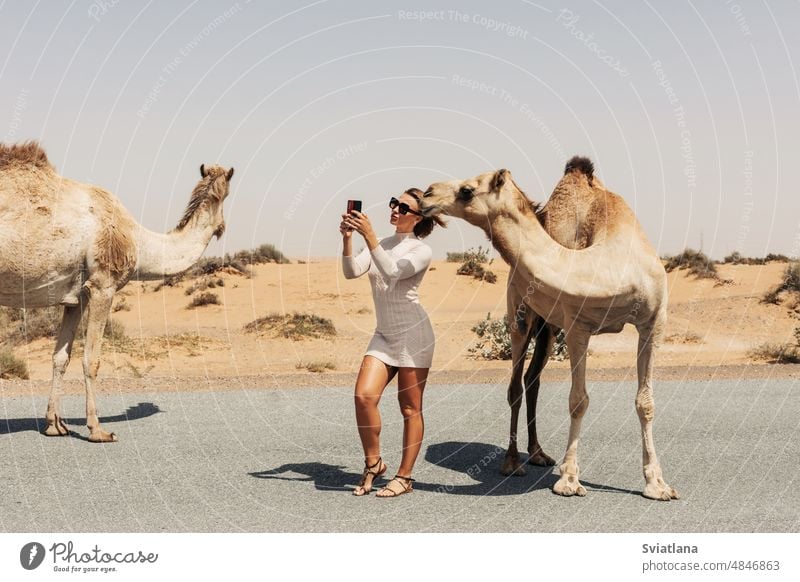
31	555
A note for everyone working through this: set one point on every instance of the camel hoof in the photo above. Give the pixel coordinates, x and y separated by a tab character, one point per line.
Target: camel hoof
655	486
660	492
103	437
512	467
56	428
568	486
541	459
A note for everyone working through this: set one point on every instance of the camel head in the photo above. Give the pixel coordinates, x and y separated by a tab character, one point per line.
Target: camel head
205	205
477	200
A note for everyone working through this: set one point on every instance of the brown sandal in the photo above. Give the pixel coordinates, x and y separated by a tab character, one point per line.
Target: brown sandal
369	472
407	487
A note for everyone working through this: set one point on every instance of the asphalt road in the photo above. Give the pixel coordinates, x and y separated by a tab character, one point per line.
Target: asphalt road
285	460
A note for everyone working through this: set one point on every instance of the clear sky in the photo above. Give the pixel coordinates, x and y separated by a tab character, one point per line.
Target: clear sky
690	110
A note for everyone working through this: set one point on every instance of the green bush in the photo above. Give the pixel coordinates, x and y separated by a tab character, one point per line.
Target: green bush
472	264
494	341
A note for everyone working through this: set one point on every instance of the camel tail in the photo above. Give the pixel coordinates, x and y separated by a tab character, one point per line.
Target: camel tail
582	165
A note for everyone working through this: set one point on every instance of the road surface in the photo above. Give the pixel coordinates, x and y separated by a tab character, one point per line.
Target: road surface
276	460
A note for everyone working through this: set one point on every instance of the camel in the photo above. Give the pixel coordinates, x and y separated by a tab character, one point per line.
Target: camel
74	244
568	219
615	280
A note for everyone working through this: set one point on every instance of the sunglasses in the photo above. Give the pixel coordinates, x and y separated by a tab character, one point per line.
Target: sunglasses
402	207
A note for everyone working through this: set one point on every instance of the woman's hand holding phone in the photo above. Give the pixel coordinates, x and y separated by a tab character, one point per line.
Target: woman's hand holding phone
346	227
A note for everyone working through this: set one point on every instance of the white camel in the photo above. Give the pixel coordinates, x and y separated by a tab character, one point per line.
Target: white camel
68	243
615	280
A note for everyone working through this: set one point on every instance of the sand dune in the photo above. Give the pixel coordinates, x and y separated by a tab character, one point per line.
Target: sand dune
709	325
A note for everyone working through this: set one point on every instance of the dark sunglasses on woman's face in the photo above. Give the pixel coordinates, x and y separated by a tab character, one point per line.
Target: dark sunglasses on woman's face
402	207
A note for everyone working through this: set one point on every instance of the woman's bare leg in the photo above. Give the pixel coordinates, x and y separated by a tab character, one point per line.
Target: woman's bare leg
410	385
372	379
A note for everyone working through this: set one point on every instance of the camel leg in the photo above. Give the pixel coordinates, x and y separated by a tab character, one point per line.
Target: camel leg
655	486
99	309
577	344
520	338
61	357
541	353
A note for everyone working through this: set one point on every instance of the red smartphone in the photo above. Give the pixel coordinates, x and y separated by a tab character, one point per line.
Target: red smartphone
353	205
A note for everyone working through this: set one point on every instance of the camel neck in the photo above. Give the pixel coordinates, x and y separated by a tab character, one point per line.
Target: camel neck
162	255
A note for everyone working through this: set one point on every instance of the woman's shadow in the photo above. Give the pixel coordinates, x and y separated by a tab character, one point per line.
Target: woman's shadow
141	410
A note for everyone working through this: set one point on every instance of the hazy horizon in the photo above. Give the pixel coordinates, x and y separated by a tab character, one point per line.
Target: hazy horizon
688	110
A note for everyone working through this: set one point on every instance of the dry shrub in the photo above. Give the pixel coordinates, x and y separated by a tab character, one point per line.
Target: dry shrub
263	254
696	262
26	325
203	284
776	353
204	299
11	366
296	326
121	305
790	284
316	366
683	338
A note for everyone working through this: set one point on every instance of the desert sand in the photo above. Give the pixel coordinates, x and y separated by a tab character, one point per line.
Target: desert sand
169	346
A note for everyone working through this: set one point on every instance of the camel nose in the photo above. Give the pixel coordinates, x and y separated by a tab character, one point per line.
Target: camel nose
428	192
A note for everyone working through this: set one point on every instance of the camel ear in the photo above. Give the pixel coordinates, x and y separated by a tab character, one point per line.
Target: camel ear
499	179
229	175
203	170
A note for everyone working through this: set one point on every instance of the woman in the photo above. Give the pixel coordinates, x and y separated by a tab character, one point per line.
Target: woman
403	341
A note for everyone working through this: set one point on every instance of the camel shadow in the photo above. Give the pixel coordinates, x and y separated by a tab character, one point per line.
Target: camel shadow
139	411
479	461
482	462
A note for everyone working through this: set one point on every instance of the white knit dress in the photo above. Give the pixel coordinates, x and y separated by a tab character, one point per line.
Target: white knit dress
403	333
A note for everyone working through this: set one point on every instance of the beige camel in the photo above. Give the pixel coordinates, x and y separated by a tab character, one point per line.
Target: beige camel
570	218
64	242
617	279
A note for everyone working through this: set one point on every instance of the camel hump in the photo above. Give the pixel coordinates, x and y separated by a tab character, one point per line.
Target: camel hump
29	153
580	164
